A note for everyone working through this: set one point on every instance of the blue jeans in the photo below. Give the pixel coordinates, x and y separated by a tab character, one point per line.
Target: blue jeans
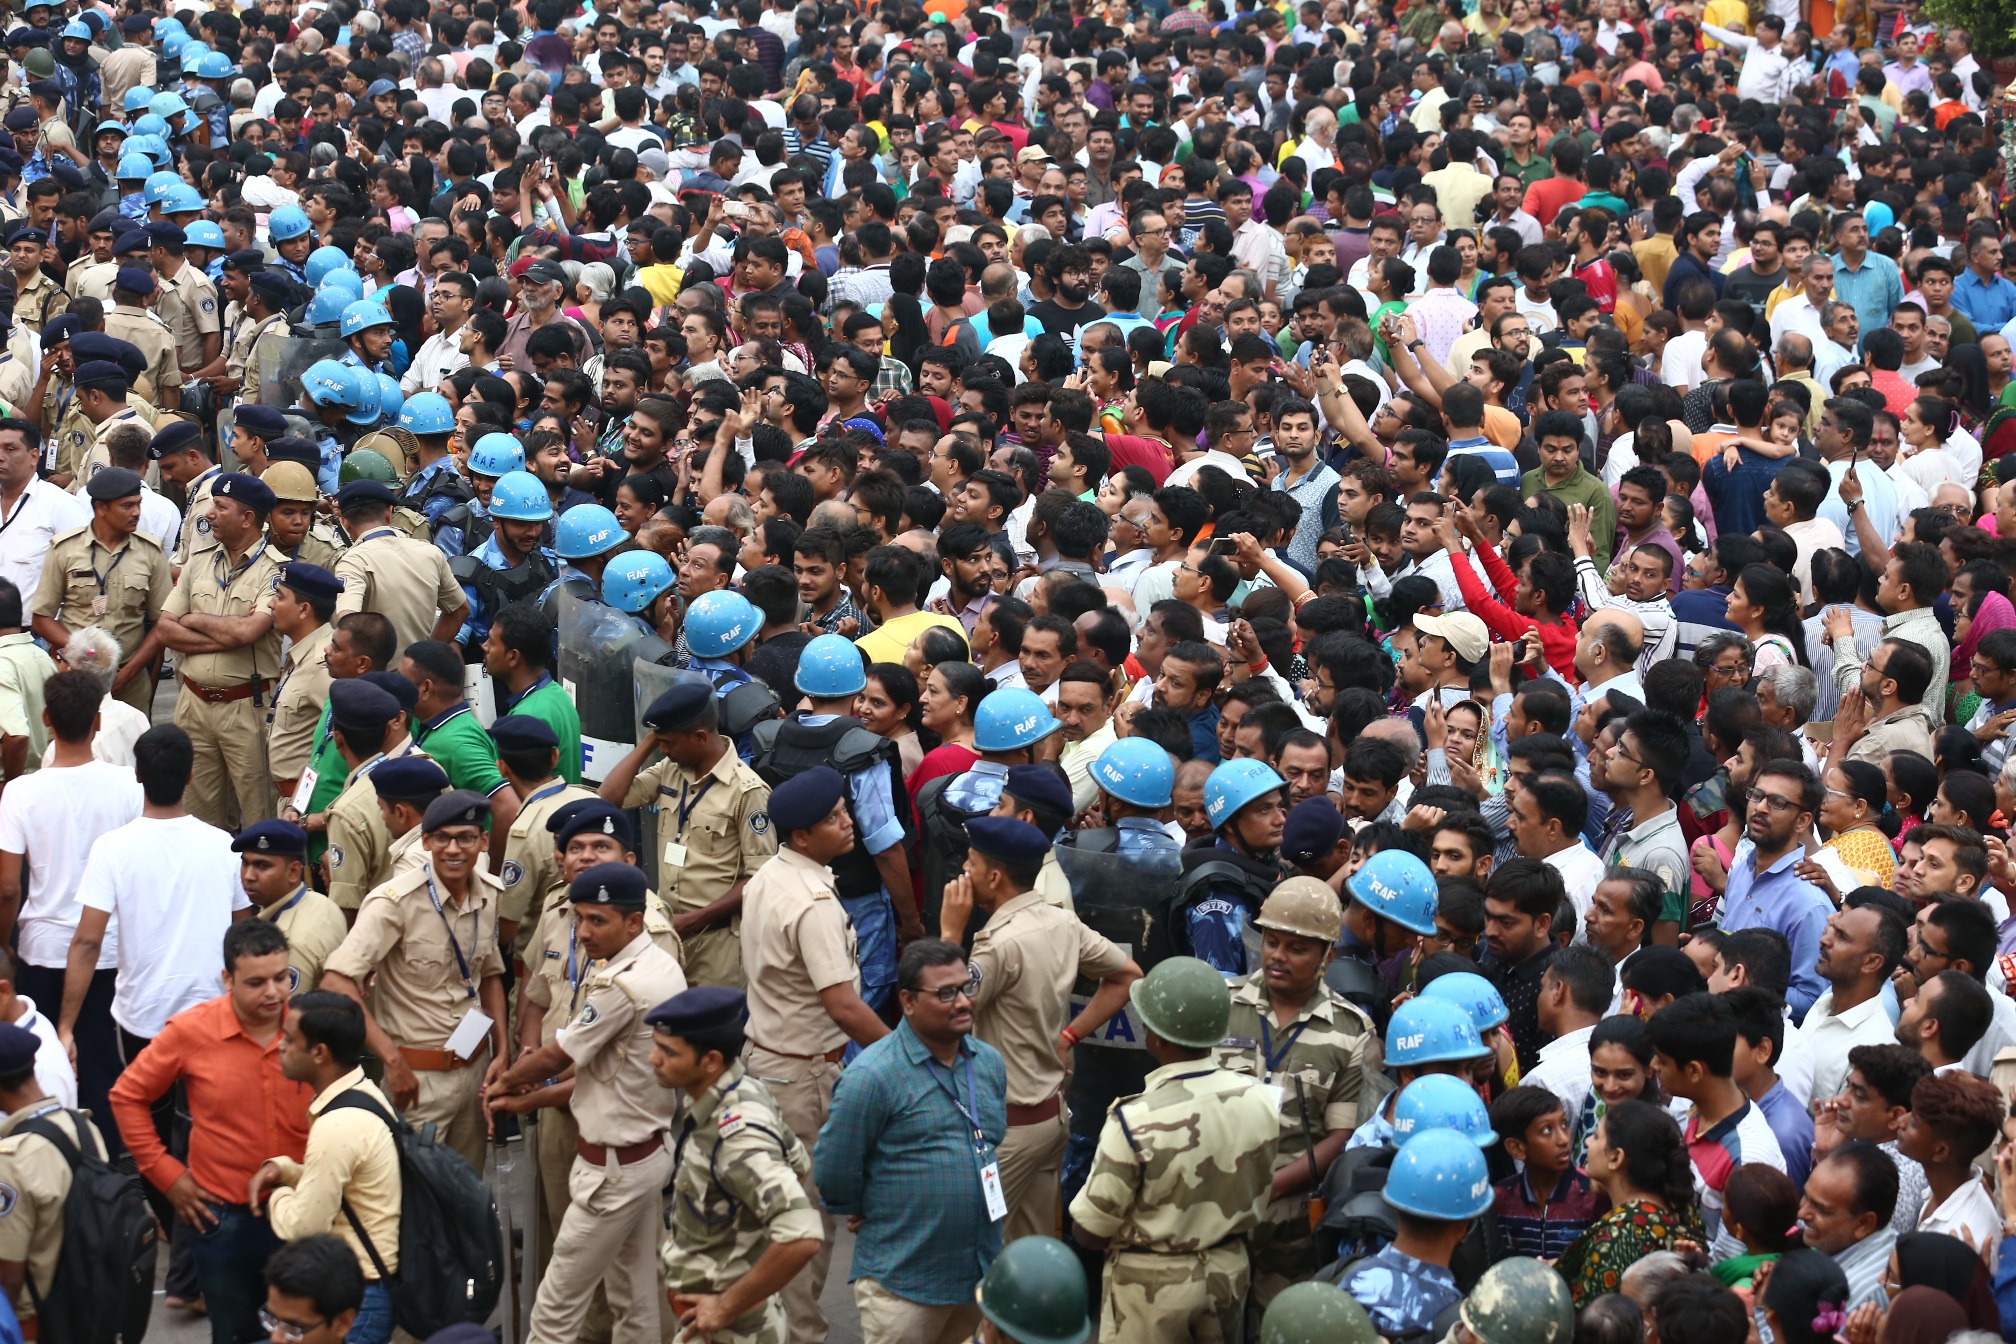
374	1319
874	919
230	1261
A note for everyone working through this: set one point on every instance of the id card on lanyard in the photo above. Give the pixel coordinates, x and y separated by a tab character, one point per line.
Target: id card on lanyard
468	1035
983	1151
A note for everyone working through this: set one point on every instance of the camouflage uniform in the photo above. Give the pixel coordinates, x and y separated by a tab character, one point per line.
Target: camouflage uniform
1402	1295
1180	1180
736	1189
1318	1062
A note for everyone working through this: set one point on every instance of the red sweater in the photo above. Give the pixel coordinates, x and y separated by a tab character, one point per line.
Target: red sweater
1557	637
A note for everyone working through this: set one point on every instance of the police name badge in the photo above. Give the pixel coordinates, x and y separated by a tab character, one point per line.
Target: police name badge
675	854
303	791
469	1033
990	1186
97	606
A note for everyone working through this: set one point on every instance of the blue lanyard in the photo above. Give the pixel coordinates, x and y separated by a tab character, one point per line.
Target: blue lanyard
292	901
972	1115
685	808
546	792
1268	1053
110	569
461	962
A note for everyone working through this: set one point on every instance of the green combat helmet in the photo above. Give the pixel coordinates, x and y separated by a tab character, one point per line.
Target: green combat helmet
1184	1001
1518	1301
366	464
1316	1313
1034	1293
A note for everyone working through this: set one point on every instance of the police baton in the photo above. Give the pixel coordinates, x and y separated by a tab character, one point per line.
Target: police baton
1309	1144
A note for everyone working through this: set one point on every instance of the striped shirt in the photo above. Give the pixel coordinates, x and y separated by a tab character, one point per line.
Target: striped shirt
1543	1227
1743	1136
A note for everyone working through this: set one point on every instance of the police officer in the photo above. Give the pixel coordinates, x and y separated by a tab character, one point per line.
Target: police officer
513	563
273	867
259	333
720	631
102	400
625	1113
873	878
1028	956
1136	781
1392	907
528	752
1292	1032
1317	1313
1034	1293
302	607
367	330
384	570
184	457
436	485
804	987
253	427
1182	1173
219	620
293	237
1439	1182
131	319
38	298
463	529
337	405
360	839
430	936
740	1221
1007	728
294	529
186	301
109	574
585	538
1226	880
712	817
1517	1301
34	1172
641	586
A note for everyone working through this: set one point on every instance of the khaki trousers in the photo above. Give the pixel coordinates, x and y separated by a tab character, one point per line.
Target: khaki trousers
1151	1298
452	1101
139	693
556	1135
230	786
1032	1160
714	957
889	1319
804	1092
610	1231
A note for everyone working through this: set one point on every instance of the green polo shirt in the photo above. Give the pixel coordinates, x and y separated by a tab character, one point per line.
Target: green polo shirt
548	702
458	743
330	774
1582	488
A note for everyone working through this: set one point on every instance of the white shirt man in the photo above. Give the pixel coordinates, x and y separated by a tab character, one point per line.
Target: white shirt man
1564	1068
43	512
1814	1063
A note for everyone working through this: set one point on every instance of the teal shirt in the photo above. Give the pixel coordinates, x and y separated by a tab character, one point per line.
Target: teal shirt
547	701
330	774
458	743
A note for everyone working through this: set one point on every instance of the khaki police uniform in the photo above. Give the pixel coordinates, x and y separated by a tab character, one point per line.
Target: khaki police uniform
38	302
223	702
17	383
737	1189
94	281
196	534
321	547
146	332
34	1183
718	833
314	926
403	578
405	853
359	856
75	435
1179	1181
427	983
188	304
298	699
122	590
621	1161
1318	1061
1028	956
797	941
97	453
531	864
255	350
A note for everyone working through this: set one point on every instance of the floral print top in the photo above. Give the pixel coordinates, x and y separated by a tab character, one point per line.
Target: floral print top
1594	1262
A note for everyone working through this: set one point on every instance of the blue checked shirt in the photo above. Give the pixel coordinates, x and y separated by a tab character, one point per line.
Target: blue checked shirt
898	1150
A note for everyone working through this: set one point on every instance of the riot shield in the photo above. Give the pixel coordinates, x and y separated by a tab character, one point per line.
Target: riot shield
597	646
280	364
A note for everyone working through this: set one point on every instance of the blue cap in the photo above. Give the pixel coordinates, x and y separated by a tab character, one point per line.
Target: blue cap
177	436
522	732
592	814
311	580
132	278
619	884
1004	838
17	1049
244	488
109	483
263	421
356	703
273	285
408	778
678	707
161	231
701	1010
397	686
1314	827
379	86
805	800
102	370
364	492
89	345
1034	785
60	329
26	234
460	807
272	837
293	448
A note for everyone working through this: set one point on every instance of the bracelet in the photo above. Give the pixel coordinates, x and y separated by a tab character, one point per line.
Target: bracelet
1257	668
1070	1037
1415	345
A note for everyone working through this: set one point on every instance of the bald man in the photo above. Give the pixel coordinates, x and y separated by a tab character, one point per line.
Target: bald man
1606	654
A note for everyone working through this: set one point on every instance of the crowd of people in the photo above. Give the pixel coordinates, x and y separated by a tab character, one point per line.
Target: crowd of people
1315	672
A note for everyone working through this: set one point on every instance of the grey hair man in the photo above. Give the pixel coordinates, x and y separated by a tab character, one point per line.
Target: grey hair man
1786	695
94	649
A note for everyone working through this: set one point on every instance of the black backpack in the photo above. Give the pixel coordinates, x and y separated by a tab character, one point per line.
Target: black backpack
1169	933
451	1254
103	1291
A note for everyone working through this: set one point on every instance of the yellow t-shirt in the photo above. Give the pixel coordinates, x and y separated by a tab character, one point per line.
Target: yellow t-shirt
891	641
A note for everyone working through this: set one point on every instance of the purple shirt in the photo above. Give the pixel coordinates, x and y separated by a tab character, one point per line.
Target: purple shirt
1664	541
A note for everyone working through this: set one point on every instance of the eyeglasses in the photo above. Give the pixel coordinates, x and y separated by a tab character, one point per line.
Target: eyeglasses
951	994
1759	798
288	1332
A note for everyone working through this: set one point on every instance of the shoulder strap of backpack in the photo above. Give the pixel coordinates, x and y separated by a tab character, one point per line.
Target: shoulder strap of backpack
46	1127
355	1100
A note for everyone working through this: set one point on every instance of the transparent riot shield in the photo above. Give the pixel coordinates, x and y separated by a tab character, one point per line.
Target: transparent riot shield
280	365
597	647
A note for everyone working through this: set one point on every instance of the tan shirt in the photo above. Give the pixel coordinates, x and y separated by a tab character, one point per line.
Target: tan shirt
350	1158
196	534
211	586
95	281
531	865
403	578
297	705
188	304
124	68
38	1178
617	1099
314	926
39	302
422	994
17	384
796	941
1028	956
121	591
97	454
147	332
359	856
556	970
720	820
